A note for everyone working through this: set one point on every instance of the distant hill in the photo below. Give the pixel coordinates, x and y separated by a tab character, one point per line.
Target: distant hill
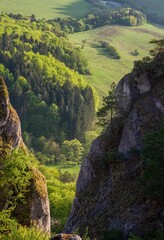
46	9
153	9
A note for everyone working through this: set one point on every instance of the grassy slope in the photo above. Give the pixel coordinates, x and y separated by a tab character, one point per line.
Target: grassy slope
66	167
46	8
126	39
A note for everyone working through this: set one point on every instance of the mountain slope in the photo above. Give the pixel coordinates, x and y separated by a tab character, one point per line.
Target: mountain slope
110	192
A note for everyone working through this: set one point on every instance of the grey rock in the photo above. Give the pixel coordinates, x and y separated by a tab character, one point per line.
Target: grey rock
37	205
108	195
63	236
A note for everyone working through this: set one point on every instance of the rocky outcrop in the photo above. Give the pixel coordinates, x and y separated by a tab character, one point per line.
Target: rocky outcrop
10	129
108	195
35	210
36	207
62	236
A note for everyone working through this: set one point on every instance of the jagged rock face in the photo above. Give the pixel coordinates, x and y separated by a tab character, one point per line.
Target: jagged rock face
108	194
40	212
36	207
10	129
35	210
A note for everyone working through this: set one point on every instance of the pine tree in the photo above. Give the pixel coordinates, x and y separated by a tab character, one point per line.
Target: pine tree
107	111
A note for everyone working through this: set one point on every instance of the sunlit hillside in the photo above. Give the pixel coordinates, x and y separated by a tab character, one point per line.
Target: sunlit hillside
126	40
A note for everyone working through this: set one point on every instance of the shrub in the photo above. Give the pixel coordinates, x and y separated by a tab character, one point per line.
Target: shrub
19	232
113	52
135	52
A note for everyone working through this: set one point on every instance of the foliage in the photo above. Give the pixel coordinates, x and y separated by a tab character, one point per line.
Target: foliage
135	52
6	222
153	164
110	49
88	139
51	99
19	232
153	10
67	177
159	46
107	111
15	177
61	195
71	151
50	152
100	17
71	167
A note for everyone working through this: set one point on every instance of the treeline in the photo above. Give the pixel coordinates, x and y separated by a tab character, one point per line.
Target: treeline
38	36
100	17
51	99
152	17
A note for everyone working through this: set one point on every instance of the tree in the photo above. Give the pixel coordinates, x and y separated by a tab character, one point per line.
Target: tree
72	150
159	46
107	111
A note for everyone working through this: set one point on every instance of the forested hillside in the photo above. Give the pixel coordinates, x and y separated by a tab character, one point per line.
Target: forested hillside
153	9
51	67
52	101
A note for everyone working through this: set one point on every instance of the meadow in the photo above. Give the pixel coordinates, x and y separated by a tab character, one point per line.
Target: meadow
69	167
46	8
104	69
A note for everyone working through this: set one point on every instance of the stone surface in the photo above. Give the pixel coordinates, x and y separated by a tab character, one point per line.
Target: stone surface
63	236
10	128
108	194
36	207
40	212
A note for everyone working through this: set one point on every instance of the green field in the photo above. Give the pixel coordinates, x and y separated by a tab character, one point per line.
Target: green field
72	168
126	39
46	8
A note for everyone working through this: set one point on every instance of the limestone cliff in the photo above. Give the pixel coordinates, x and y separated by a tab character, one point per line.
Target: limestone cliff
10	130
36	207
108	195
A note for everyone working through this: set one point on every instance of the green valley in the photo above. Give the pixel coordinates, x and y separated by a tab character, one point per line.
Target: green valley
58	62
104	69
